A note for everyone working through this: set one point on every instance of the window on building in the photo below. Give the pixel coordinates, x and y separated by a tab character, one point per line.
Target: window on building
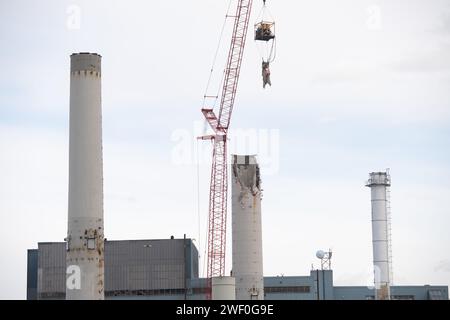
435	295
402	297
290	289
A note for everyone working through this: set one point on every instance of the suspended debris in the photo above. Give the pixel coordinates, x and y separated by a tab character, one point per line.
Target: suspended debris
266	74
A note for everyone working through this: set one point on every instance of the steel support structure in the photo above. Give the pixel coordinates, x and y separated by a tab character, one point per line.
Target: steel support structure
217	218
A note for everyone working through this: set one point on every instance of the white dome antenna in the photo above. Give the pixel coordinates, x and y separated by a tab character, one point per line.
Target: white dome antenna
320	254
325	259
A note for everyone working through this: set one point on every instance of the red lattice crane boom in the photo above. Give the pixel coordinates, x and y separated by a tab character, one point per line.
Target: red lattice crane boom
217	218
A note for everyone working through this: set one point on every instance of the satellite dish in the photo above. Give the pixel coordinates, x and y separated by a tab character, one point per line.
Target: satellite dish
320	254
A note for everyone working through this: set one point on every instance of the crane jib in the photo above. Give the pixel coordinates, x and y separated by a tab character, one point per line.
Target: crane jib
217	217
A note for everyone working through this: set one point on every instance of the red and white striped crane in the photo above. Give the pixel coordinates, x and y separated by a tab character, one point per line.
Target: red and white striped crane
217	218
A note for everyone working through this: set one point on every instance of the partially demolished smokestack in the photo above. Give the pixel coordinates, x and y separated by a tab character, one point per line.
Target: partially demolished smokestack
246	228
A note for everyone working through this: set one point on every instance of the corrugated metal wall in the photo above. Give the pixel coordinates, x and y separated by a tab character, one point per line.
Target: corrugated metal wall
130	266
51	270
144	265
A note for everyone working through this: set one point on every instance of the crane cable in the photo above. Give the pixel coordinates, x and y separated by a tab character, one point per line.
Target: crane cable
270	54
262	13
265	12
205	96
214	60
198	206
199	218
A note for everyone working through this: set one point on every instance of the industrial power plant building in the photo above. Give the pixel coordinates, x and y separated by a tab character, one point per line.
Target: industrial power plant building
168	269
88	267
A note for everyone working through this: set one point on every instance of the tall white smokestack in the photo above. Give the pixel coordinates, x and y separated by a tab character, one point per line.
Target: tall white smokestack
85	241
246	228
379	183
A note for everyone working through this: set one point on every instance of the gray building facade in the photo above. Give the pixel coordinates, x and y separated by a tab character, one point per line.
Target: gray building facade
167	269
32	267
132	268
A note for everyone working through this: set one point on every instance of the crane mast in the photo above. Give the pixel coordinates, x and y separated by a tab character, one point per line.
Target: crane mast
217	218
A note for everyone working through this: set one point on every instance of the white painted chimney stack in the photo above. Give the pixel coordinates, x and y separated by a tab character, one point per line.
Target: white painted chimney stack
85	237
379	183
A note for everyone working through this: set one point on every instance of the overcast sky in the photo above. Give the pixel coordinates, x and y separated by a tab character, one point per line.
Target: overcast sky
358	86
